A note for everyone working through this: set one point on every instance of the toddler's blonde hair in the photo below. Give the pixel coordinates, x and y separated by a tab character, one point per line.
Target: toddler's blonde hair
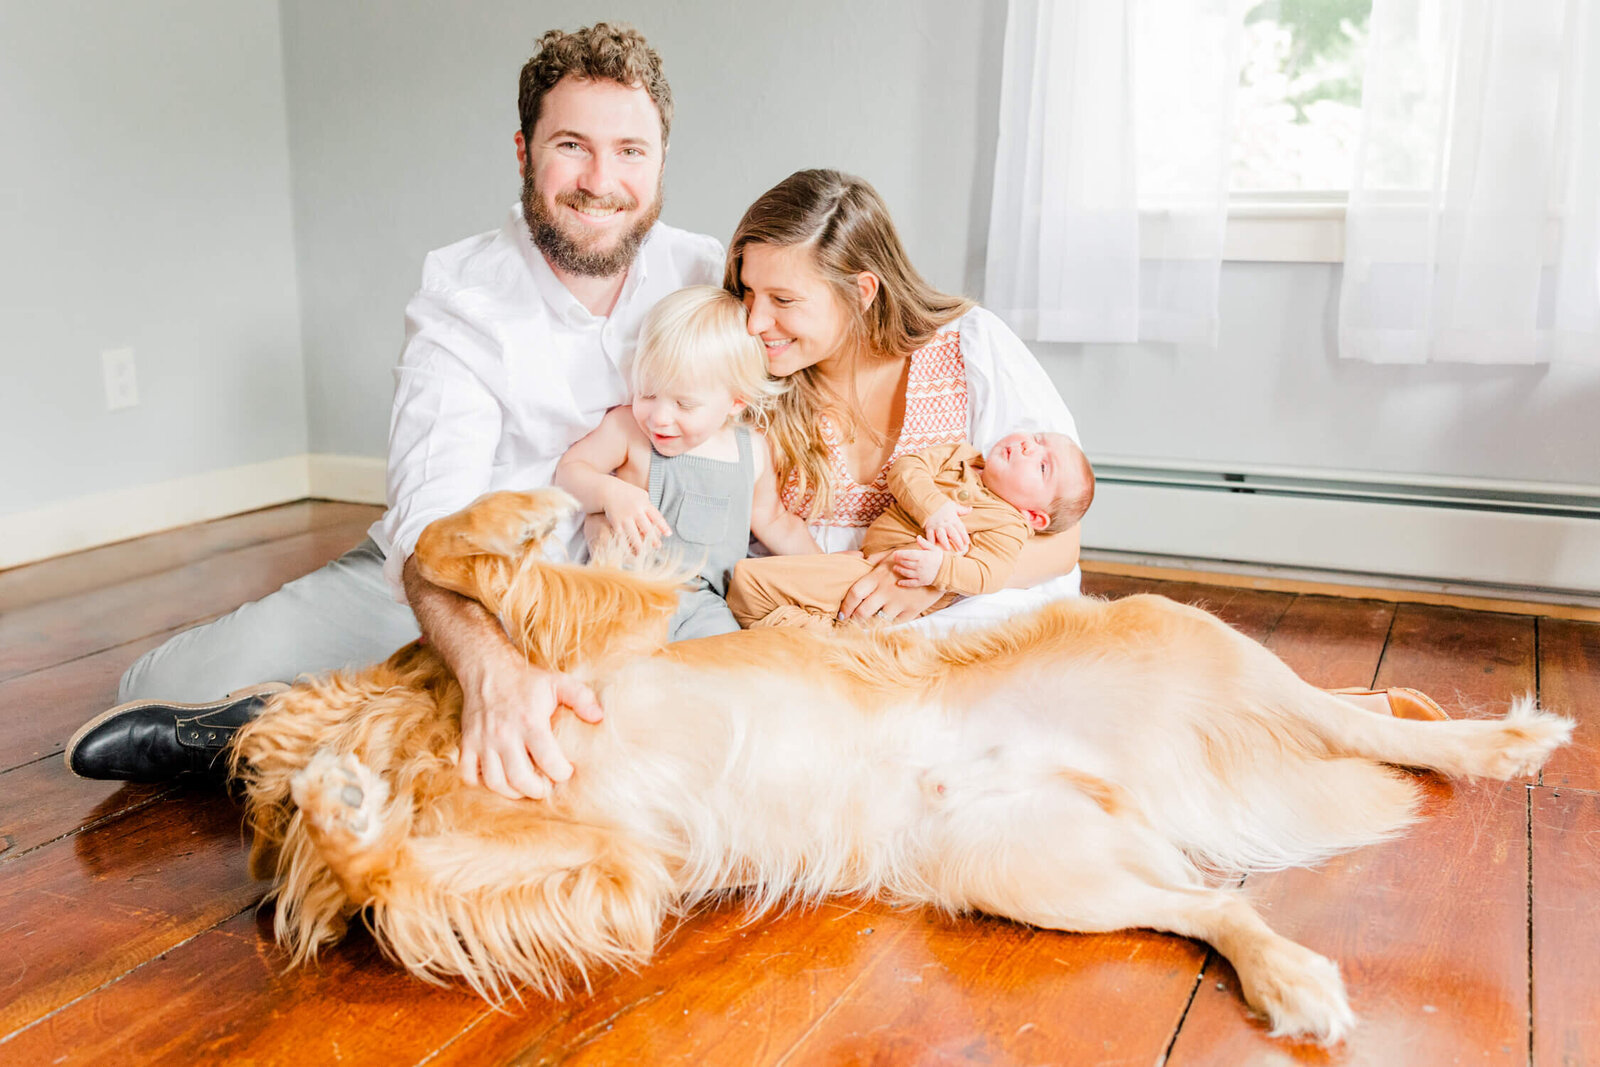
697	335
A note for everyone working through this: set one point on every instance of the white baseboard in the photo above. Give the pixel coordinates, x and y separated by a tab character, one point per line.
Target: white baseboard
1447	544
103	518
352	479
1353	536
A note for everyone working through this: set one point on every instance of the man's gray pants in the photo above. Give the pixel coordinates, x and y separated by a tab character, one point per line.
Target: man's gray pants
342	615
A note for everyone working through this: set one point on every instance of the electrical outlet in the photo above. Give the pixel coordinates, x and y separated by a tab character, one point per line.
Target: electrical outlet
122	381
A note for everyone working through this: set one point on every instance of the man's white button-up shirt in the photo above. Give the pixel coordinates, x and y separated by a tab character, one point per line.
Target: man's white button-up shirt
504	369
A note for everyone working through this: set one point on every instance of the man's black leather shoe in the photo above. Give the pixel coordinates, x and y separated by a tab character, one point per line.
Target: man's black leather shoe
155	741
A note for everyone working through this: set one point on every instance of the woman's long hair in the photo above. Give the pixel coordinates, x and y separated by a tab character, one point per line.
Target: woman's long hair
847	225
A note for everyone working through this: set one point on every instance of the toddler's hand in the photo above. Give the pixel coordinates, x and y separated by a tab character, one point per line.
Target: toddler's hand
629	511
946	530
918	567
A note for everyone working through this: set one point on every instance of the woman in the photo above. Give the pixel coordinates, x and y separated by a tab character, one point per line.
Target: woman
881	364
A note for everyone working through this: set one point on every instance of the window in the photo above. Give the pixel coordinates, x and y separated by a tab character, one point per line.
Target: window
1298	111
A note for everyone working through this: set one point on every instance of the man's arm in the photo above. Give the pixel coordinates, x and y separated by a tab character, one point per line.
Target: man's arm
507	742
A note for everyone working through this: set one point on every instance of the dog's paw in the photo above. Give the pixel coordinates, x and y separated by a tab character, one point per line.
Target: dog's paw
1522	741
341	797
1301	994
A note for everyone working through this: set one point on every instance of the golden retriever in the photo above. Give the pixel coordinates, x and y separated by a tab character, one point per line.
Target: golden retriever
1091	766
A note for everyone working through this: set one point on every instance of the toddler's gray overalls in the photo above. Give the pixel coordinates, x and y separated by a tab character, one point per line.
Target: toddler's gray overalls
707	504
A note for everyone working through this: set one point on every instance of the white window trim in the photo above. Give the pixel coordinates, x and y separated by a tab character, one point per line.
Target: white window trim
1288	227
1277	229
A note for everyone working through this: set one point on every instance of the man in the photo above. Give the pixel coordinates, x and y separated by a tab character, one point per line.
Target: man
516	345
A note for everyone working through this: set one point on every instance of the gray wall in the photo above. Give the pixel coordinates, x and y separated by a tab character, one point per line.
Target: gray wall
401	127
401	124
144	202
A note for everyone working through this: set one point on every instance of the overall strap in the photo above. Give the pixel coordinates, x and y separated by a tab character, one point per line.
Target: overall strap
746	459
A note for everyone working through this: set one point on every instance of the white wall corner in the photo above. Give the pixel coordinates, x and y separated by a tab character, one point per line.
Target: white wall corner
102	518
352	479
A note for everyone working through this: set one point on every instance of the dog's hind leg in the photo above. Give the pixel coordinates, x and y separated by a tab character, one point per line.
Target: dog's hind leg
1474	748
1108	873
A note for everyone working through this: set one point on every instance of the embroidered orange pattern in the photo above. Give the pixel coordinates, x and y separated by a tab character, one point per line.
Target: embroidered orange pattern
936	414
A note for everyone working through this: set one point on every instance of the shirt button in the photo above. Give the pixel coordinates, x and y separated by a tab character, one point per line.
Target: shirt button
964	495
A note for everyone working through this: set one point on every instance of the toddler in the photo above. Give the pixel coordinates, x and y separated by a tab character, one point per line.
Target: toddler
957	524
680	468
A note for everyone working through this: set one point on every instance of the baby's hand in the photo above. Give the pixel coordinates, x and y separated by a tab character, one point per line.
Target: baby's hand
629	511
918	567
946	530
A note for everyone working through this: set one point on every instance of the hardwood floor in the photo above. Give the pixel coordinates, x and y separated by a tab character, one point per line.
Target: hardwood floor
131	936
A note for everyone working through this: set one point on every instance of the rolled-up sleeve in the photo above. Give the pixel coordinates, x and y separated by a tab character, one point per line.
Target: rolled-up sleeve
1007	390
445	426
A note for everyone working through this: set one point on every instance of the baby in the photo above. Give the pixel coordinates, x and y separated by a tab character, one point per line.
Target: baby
957	524
679	468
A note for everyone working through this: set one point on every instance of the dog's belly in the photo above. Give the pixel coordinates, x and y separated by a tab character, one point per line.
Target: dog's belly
805	783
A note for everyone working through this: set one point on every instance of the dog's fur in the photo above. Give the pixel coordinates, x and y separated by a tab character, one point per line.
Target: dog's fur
1091	766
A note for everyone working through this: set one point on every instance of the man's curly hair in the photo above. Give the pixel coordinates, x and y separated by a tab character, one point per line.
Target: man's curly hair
614	52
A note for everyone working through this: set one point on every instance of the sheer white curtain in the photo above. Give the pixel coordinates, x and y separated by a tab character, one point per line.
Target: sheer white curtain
1473	230
1110	186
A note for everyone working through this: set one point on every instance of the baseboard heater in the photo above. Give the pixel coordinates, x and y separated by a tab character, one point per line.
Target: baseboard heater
1526	537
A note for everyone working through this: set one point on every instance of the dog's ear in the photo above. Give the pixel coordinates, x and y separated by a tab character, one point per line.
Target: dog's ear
472	551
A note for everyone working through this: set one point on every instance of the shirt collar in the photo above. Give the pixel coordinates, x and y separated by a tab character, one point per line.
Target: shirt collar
560	299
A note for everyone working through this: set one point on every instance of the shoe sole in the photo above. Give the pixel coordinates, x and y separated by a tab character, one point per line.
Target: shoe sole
265	689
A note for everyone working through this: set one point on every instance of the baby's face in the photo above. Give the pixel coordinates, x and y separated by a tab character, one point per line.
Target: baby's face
681	417
1028	470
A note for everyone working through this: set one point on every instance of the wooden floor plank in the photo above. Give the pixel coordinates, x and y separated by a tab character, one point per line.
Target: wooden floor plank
1333	643
988	991
42	801
1473	663
1250	611
84	910
723	991
1431	929
56	631
1569	683
124	915
226	997
94	568
44	708
1430	933
1116	586
1566	927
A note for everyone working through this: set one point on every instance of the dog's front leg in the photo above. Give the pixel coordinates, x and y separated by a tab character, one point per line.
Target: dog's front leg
498	525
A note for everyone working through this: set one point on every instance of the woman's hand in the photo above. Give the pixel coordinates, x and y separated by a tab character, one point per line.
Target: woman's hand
878	596
631	514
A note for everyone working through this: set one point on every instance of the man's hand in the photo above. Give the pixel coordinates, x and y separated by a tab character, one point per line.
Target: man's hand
918	567
946	530
507	743
878	596
630	513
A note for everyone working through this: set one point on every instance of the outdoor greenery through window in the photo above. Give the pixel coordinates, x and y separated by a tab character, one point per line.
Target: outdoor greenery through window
1297	114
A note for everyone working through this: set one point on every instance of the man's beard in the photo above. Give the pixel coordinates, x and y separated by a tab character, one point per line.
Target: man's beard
564	251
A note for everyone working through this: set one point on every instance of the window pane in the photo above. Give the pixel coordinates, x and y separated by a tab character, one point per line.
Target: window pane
1299	99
